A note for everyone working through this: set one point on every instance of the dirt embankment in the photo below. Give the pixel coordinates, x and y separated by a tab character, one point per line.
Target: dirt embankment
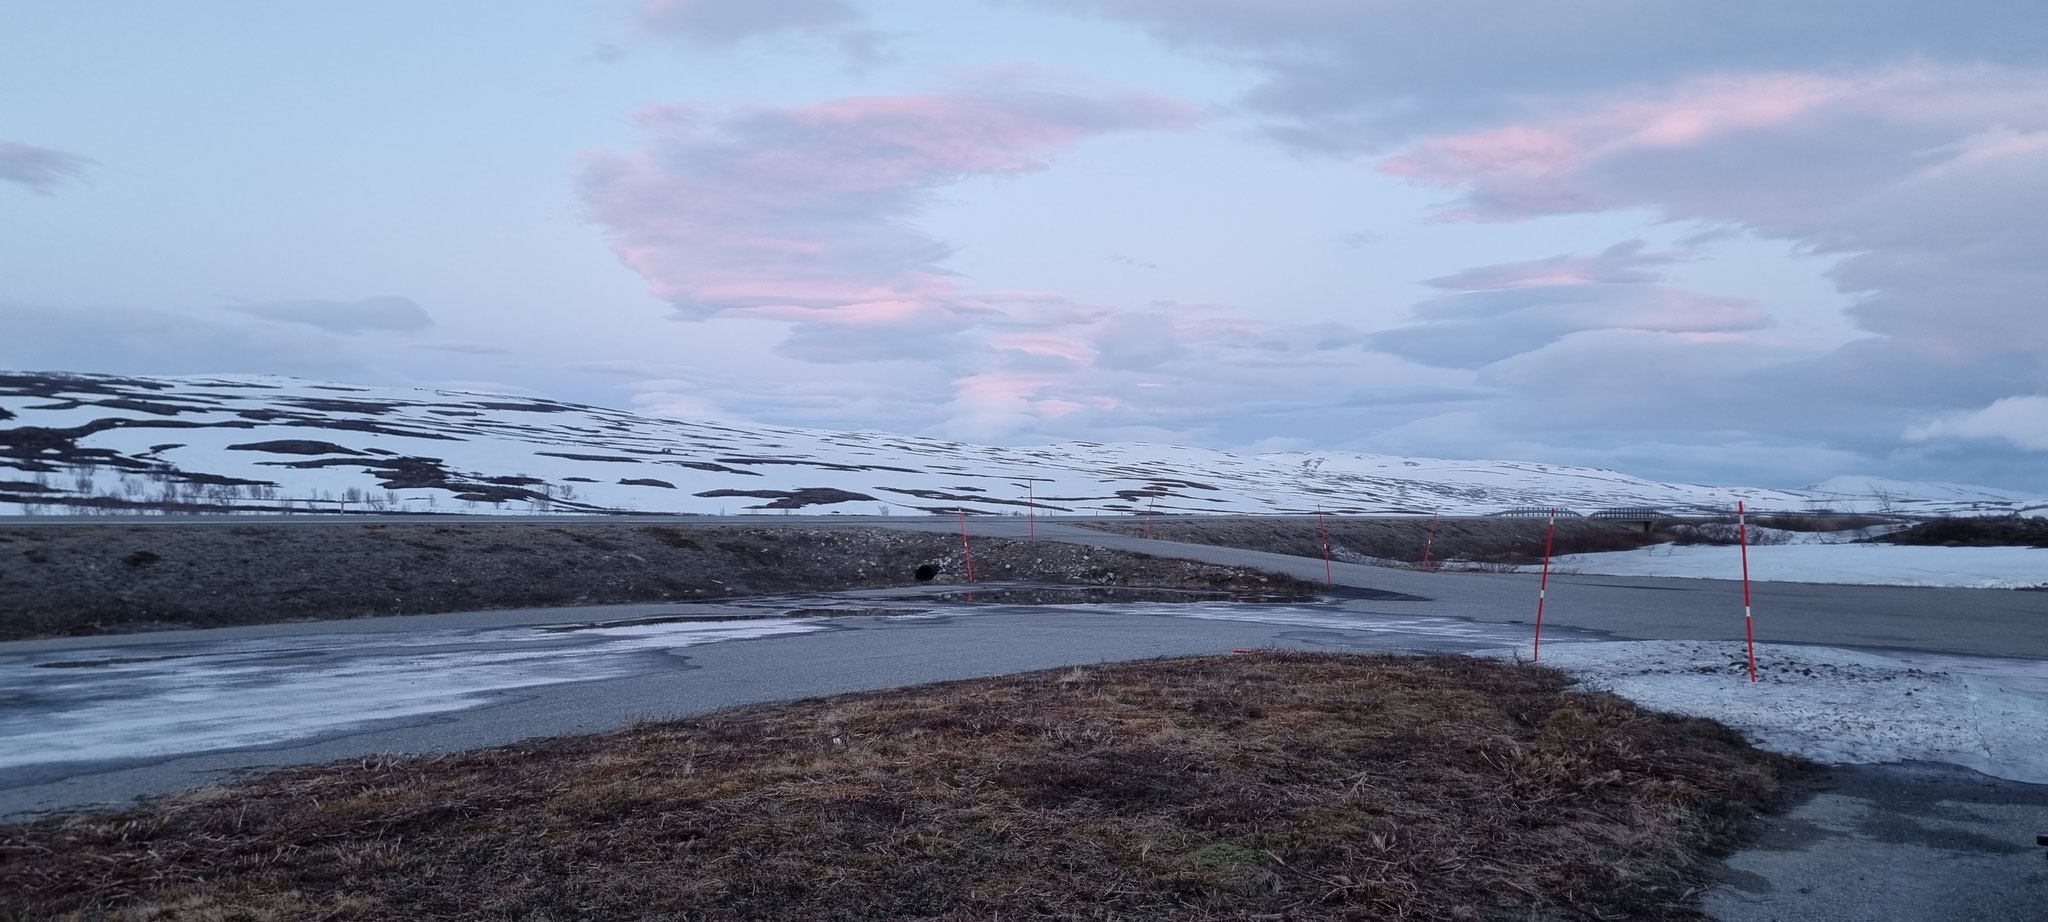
1478	539
94	579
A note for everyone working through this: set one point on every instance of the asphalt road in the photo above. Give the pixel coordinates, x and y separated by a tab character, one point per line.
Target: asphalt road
1885	843
1981	622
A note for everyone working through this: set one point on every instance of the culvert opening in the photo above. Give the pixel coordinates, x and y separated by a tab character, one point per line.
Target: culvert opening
926	572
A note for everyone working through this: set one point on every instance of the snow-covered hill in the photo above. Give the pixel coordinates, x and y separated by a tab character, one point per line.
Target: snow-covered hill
74	442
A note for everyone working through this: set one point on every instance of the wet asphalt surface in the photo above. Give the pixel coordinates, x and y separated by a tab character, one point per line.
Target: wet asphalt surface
99	720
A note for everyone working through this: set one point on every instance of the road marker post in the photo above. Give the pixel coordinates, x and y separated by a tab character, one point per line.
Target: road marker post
1543	588
1328	578
1430	542
1748	624
964	548
1031	486
1148	512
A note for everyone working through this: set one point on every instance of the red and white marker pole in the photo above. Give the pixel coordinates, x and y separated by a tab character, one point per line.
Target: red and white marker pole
1543	588
964	548
1148	514
1328	579
1748	624
1431	542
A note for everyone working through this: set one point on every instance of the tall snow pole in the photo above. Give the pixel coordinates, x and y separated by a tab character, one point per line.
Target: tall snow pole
1543	588
964	548
1431	542
1328	579
1748	625
1148	512
1032	526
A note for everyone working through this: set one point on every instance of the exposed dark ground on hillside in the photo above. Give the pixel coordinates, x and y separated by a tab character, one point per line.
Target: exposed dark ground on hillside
103	578
1978	531
1475	539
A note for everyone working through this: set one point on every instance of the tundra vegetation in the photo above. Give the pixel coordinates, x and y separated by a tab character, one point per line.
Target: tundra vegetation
1267	785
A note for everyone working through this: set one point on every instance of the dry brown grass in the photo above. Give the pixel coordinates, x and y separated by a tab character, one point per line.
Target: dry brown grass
1283	786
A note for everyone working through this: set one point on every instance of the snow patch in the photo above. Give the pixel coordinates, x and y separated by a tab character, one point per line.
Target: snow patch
1834	705
1854	564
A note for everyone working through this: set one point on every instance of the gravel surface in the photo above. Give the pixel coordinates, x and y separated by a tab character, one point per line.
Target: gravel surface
99	579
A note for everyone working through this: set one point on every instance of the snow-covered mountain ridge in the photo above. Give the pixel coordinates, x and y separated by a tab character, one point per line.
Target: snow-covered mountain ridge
75	442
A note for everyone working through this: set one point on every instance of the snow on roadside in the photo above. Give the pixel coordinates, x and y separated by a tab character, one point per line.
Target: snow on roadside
1860	564
1835	705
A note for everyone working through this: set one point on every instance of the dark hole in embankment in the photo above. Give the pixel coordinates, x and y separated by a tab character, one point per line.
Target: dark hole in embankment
926	572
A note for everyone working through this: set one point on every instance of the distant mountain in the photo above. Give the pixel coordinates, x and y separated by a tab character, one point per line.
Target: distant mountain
98	442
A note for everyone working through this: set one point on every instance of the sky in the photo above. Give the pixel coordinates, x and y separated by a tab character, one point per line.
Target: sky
1736	242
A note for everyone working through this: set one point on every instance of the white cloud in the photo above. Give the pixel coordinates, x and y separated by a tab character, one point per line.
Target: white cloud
2021	420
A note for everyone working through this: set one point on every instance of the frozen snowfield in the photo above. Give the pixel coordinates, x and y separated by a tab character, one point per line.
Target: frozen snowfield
271	443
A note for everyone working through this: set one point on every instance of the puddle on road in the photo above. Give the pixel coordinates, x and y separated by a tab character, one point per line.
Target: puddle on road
737	616
1092	595
942	601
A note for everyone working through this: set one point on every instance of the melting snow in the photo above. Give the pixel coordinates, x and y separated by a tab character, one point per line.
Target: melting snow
1835	705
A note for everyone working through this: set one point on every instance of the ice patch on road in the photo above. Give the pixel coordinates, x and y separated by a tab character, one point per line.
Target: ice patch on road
111	703
1304	617
1835	705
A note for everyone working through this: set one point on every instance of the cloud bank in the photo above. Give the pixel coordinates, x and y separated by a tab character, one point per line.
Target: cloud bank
1901	145
805	217
386	312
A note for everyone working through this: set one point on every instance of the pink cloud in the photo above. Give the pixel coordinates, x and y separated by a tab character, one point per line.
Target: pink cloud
1539	166
806	217
812	207
1928	182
